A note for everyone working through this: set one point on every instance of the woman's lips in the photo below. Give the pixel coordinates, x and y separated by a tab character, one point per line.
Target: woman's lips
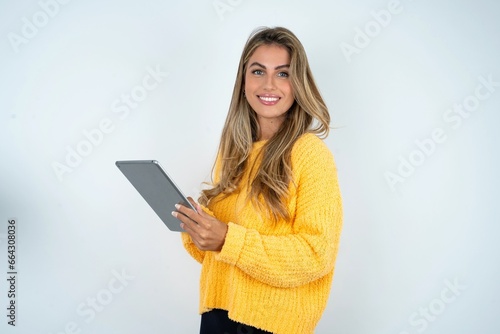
268	100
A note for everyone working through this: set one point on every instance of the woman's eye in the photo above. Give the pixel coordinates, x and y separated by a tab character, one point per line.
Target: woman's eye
257	72
283	74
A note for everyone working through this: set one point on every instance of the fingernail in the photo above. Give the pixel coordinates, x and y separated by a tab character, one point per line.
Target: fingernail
177	206
174	214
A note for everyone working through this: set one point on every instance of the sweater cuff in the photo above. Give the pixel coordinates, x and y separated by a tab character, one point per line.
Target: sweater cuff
235	238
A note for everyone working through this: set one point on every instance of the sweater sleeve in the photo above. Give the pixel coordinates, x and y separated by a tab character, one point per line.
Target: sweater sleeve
191	248
187	242
189	245
309	252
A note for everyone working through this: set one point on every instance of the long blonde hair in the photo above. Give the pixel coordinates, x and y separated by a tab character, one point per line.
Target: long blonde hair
307	114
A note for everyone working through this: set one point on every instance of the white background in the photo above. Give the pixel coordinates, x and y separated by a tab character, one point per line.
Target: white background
402	245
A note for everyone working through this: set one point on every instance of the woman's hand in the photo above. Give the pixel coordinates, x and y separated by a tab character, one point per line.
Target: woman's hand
207	233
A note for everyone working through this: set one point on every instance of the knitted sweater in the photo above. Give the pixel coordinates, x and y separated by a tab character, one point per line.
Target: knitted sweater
277	276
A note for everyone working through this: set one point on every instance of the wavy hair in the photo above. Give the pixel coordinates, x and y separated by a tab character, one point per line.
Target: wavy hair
308	113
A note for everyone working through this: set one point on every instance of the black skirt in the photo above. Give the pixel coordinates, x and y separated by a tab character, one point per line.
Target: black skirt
217	322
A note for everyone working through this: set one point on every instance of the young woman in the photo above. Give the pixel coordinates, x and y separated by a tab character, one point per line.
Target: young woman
268	232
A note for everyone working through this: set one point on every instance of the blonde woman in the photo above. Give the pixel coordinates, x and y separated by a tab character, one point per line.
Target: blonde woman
267	230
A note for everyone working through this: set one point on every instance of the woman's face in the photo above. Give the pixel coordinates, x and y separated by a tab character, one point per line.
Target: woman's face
268	88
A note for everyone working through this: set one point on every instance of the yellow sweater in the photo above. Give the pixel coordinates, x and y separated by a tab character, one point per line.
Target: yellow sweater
277	277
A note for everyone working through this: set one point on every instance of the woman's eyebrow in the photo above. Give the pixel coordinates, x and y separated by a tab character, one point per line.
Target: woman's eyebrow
276	68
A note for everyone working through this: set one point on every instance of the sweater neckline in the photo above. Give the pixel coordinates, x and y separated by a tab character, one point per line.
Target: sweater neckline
259	143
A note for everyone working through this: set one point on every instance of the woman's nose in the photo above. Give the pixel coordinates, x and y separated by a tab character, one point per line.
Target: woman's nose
269	84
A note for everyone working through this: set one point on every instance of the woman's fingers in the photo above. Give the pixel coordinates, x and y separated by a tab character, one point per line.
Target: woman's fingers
206	231
186	210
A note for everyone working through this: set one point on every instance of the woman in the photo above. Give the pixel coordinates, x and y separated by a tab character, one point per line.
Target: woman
268	232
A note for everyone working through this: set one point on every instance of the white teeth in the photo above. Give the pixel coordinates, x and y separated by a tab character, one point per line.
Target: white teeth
269	99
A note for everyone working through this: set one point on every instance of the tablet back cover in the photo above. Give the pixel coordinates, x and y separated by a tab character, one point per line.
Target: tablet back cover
156	187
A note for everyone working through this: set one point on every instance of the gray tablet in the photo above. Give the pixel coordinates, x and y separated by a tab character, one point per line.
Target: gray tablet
156	187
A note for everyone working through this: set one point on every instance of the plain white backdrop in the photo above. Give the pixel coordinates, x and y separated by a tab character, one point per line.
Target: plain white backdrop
414	92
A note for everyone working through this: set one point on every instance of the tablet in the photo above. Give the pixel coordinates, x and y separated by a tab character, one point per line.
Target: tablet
156	187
